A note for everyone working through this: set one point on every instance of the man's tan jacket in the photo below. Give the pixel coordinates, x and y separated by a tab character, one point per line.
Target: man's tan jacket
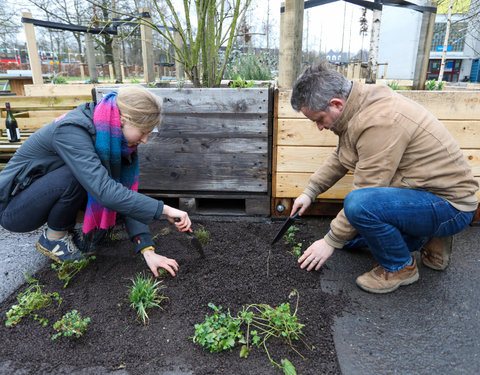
386	139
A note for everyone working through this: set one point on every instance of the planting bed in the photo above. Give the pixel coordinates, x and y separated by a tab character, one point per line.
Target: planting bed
240	268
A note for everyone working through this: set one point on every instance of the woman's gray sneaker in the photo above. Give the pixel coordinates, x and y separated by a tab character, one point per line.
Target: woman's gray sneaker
59	250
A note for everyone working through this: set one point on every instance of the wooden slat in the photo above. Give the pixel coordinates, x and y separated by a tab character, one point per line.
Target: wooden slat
12	147
309	159
445	105
33	123
26	103
219	100
291	185
303	132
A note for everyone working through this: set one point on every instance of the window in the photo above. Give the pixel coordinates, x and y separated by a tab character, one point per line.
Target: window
456	38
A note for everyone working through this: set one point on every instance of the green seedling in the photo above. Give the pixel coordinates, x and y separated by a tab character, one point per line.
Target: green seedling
297	250
434	85
219	331
393	85
30	300
71	324
287	367
145	293
290	235
202	235
68	269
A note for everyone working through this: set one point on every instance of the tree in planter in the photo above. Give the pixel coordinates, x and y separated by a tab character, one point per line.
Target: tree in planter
217	24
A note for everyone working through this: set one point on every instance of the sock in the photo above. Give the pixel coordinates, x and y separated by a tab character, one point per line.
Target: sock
55	235
410	262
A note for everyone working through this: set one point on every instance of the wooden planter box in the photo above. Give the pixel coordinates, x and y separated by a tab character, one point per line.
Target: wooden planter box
212	152
299	148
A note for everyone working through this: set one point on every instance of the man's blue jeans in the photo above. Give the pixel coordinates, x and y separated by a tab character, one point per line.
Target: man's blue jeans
392	222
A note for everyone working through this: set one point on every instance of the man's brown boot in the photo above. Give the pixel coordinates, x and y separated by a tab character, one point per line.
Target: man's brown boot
436	252
378	280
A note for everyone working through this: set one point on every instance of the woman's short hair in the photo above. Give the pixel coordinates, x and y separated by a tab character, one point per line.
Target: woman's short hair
142	108
316	86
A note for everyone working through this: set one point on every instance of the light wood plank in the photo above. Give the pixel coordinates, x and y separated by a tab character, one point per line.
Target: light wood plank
303	132
309	159
445	105
26	103
32	123
291	185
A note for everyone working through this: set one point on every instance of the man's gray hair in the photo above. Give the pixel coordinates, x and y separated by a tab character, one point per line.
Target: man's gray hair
316	86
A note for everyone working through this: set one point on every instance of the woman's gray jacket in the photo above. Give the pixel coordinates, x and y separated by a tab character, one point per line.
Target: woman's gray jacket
70	141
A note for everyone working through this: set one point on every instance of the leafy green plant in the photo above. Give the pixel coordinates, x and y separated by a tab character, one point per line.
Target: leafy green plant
71	324
68	269
219	331
297	250
30	300
202	235
240	82
145	293
262	322
434	85
290	235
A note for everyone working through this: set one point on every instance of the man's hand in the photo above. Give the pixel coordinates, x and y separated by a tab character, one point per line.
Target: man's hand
316	255
154	261
302	202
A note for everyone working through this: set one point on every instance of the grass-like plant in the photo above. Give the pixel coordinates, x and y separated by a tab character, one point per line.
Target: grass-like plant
71	324
30	300
219	331
202	235
239	82
68	269
145	293
290	235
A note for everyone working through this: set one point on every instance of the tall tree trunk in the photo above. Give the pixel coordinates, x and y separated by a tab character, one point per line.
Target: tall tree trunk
372	65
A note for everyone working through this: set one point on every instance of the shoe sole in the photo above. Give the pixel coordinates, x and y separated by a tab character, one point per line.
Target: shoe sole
48	253
405	282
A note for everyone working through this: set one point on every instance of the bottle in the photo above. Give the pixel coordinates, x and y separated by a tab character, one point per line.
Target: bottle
11	124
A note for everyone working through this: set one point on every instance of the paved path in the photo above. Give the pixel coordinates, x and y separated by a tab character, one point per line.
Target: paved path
430	327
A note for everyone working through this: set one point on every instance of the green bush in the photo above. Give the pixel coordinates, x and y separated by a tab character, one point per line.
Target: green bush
250	66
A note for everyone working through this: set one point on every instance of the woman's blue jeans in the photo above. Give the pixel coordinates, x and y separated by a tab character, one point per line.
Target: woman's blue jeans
392	222
54	198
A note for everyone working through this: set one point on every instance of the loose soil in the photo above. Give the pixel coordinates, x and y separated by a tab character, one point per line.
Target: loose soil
240	268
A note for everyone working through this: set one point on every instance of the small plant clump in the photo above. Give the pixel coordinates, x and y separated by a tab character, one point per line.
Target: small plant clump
297	250
290	235
240	82
71	324
434	85
145	294
221	331
202	235
68	269
30	300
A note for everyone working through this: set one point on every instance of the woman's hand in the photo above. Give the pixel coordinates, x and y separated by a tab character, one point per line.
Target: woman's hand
316	255
154	261
178	217
303	202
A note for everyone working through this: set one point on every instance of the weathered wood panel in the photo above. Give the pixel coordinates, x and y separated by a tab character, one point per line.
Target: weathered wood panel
210	140
44	103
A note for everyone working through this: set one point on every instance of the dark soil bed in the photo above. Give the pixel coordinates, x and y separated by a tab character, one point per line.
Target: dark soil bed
240	268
